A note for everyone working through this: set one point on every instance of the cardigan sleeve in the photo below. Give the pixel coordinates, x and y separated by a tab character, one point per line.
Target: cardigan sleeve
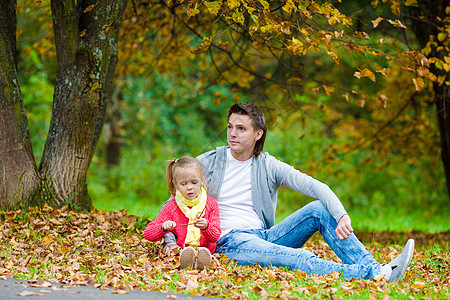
212	232
153	232
288	176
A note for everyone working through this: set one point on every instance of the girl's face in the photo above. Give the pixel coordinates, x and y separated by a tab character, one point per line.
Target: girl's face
188	181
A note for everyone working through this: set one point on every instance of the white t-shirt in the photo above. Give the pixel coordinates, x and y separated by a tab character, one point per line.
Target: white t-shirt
235	197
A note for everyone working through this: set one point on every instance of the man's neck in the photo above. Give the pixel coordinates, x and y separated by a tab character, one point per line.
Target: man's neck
241	156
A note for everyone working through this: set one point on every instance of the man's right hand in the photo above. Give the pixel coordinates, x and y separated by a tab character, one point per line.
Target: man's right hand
168	225
344	228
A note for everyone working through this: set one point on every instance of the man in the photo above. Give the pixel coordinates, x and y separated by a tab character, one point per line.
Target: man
244	180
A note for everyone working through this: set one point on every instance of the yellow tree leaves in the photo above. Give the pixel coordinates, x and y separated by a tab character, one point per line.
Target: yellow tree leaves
365	73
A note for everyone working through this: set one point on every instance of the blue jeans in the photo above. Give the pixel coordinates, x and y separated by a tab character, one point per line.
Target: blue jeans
281	245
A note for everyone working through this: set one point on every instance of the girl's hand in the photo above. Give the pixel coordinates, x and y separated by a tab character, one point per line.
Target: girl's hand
344	228
168	225
201	223
171	247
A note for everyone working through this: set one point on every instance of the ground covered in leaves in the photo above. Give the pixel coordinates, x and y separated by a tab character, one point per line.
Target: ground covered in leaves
107	250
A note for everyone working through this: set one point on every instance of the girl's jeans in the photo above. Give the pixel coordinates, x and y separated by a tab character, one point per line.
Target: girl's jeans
281	245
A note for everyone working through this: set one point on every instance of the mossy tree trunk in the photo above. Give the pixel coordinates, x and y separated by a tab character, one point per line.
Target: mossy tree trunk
86	34
18	171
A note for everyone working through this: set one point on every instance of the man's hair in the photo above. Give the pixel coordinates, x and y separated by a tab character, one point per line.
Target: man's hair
258	121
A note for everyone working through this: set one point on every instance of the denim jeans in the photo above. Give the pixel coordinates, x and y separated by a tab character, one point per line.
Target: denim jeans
281	245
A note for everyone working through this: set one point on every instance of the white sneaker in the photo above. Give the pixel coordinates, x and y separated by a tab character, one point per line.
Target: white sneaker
401	262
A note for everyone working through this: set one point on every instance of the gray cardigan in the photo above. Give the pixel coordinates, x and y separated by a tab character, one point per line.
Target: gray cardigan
268	174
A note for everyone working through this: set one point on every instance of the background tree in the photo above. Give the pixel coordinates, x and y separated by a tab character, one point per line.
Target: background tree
85	34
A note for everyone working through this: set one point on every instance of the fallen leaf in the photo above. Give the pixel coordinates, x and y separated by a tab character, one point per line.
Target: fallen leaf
28	293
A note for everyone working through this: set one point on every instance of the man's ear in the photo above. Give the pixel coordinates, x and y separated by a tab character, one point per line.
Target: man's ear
259	134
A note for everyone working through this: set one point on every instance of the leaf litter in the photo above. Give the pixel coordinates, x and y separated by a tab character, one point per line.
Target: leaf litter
106	250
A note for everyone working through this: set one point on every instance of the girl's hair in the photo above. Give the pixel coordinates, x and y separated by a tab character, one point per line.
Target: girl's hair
183	162
258	121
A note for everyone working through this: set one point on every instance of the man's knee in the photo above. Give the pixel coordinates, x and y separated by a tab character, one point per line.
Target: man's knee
316	206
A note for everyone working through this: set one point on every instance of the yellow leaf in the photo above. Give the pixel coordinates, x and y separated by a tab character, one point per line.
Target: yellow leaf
411	3
422	71
441	36
377	21
143	259
447	10
296	42
345	96
89	8
446	67
328	89
95	86
378	277
418	83
232	4
213	7
365	73
265	4
441	79
289	6
397	23
418	285
334	57
47	240
362	34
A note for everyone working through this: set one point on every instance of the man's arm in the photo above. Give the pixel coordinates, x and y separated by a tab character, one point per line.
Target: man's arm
288	176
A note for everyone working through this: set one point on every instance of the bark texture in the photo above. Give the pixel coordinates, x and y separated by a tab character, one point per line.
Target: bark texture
86	35
18	171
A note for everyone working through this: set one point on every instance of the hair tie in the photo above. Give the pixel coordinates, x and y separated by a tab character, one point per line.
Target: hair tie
176	159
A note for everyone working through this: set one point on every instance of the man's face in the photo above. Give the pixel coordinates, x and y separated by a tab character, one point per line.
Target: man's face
242	136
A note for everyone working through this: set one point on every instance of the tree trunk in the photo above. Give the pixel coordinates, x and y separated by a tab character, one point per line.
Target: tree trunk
18	172
424	23
86	45
442	101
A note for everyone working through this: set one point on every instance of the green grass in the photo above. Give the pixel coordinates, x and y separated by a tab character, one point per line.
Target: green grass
387	218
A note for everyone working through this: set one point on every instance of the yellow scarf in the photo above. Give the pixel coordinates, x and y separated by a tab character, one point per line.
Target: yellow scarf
191	208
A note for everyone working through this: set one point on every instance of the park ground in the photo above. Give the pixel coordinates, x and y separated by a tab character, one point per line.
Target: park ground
106	250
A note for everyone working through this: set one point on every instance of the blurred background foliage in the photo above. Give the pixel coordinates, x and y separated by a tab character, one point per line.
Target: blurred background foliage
381	157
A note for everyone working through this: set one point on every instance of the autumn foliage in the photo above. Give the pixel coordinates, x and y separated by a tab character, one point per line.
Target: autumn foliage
107	250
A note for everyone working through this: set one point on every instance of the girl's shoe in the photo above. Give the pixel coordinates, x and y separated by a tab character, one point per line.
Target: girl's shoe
203	258
187	257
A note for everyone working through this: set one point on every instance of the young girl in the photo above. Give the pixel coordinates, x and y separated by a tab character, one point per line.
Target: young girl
191	215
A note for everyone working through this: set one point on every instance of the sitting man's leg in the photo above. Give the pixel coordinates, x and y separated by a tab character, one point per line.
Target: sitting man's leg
280	246
249	247
295	230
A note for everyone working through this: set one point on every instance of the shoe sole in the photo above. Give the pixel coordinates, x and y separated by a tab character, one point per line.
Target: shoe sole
203	258
187	257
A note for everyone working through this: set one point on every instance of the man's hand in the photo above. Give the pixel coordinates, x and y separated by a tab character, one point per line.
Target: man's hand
168	225
344	227
201	223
